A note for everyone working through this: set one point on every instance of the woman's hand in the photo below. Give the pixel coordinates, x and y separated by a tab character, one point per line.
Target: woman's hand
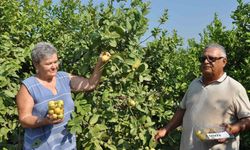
51	120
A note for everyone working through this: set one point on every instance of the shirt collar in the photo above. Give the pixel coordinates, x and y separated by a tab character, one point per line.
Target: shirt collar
222	78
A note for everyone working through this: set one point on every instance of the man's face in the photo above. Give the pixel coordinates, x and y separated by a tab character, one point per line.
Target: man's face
212	62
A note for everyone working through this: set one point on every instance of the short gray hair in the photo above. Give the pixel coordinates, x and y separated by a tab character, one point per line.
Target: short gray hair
218	46
41	51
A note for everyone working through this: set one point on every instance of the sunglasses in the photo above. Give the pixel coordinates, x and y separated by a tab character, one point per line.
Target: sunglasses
209	58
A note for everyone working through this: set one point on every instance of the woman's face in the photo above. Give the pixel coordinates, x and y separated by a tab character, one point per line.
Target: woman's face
48	66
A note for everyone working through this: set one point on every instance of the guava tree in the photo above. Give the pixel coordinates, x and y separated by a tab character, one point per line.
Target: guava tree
121	112
142	84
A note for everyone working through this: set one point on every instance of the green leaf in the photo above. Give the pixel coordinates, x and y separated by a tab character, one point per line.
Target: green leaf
105	95
118	29
142	137
128	25
97	146
100	127
111	147
149	124
152	143
9	93
4	131
93	119
113	43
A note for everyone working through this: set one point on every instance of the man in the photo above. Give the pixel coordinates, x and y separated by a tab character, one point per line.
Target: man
211	101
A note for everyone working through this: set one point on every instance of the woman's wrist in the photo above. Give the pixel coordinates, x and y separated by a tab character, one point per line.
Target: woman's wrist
39	121
43	121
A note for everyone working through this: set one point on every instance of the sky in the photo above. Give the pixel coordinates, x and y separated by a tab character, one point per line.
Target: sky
190	17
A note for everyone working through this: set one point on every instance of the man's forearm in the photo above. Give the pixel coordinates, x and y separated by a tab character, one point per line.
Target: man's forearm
176	121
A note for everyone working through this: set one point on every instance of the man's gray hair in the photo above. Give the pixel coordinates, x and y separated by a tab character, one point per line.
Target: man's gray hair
218	46
41	51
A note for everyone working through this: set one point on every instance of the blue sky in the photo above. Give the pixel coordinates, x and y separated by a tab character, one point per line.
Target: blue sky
190	17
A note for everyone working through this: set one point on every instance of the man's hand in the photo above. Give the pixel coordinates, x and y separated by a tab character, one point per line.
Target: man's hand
160	133
105	56
230	130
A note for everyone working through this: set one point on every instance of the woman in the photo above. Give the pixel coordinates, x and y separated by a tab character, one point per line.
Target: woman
42	131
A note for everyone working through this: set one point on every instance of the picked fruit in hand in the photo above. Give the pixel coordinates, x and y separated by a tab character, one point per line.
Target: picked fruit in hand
56	109
105	56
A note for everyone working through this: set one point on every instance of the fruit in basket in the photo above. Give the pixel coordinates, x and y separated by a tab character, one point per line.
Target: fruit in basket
51	105
56	109
60	116
51	112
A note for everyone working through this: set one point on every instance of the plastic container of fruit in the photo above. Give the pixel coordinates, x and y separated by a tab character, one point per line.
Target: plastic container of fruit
212	133
56	109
